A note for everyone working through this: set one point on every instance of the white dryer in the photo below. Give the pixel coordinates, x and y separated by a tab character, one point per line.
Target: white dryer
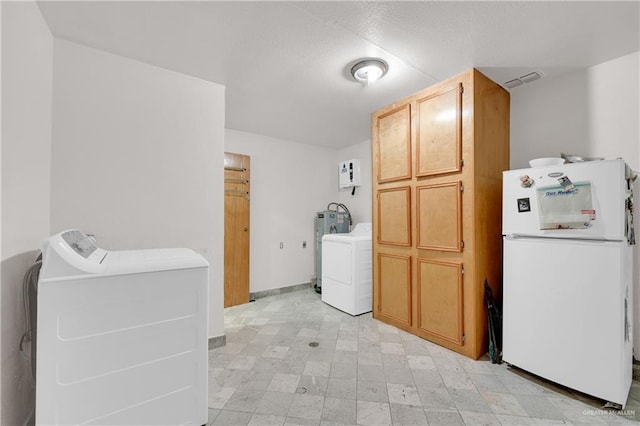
121	335
346	270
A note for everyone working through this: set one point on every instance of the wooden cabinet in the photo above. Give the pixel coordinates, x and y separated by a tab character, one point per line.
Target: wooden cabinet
438	158
394	127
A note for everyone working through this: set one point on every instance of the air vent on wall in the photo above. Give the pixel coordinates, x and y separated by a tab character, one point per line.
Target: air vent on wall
527	78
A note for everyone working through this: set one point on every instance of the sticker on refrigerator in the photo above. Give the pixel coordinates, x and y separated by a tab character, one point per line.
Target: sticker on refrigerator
524	205
566	182
526	181
566	206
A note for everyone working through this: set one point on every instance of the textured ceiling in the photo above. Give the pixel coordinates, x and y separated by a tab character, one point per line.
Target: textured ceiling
285	64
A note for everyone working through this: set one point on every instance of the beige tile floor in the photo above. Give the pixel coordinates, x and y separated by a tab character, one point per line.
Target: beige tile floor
364	372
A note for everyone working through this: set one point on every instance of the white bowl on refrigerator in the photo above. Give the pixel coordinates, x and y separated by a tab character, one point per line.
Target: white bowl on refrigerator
546	161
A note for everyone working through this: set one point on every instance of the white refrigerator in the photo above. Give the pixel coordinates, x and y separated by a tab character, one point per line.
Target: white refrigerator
568	266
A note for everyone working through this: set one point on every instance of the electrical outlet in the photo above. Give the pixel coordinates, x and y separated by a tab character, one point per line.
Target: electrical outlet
281	245
304	244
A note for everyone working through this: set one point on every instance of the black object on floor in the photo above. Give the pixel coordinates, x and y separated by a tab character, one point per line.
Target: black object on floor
495	326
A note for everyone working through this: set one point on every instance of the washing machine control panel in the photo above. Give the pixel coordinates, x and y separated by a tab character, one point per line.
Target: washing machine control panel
79	242
71	253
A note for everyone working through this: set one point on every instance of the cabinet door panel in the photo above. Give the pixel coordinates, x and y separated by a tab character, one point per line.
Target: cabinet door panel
440	303
439	134
394	145
394	216
439	216
394	287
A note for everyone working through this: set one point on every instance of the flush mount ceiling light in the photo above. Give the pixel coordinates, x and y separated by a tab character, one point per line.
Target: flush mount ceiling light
369	70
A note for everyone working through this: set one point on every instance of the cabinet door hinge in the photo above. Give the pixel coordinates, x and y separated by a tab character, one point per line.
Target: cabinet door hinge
461	163
461	88
462	271
461	243
461	188
464	337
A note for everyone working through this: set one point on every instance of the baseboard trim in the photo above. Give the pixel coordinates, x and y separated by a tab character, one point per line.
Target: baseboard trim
275	291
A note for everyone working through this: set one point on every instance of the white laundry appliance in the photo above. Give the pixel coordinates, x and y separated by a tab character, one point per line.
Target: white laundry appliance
568	289
121	335
328	222
346	270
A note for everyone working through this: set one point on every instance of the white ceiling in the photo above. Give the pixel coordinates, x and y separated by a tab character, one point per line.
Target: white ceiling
285	64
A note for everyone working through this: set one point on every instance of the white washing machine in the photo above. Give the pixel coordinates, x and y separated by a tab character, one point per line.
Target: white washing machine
346	270
121	335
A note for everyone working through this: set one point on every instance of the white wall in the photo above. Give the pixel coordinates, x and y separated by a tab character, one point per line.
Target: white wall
359	204
290	182
137	157
614	112
614	131
1	353
549	116
593	112
27	49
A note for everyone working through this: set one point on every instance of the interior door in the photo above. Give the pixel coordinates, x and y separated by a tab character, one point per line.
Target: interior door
236	229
